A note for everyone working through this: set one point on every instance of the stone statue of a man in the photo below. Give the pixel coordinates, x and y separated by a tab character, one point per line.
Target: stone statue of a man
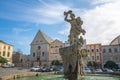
75	26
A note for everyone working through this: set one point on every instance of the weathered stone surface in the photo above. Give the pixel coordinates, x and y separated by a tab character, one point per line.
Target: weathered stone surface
74	55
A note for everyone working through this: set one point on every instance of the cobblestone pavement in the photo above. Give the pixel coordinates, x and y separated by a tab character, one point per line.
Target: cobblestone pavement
9	71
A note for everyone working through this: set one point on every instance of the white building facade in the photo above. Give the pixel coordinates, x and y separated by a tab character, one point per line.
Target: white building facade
41	49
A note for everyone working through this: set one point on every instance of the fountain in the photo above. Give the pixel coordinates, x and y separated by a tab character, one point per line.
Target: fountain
74	55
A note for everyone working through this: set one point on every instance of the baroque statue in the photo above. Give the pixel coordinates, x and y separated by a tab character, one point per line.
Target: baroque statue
74	55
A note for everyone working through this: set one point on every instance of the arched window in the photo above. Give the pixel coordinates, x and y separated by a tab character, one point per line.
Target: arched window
39	47
21	60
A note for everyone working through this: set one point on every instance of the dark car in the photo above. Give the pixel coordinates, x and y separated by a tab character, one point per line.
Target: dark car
44	69
60	69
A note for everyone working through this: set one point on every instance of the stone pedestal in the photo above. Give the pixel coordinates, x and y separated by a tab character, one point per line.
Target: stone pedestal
72	63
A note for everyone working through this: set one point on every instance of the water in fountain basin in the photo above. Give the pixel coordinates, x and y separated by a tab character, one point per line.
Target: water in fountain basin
60	77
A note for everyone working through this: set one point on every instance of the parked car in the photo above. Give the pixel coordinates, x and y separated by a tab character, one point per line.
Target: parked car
60	69
36	68
98	70
52	68
107	70
86	70
8	65
44	69
118	70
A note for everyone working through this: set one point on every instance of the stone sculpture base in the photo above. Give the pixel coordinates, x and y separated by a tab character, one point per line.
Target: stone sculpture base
71	63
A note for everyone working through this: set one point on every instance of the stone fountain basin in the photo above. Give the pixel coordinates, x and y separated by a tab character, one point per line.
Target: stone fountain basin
101	76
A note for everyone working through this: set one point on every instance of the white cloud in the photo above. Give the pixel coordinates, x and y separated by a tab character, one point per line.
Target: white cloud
94	2
21	30
50	13
44	12
101	23
65	31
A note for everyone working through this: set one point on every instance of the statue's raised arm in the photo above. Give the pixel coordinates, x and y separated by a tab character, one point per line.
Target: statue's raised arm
66	16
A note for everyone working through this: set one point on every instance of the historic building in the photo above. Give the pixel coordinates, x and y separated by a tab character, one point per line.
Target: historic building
20	60
95	53
6	50
44	49
54	50
112	51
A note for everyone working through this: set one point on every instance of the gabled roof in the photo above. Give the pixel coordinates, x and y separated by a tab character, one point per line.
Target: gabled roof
47	38
57	41
5	43
44	36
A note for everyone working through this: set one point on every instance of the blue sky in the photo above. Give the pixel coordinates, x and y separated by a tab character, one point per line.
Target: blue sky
21	19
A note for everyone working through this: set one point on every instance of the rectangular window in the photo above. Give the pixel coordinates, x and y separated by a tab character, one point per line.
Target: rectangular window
92	57
92	50
89	58
115	50
97	57
43	53
97	50
3	53
39	47
33	54
4	47
110	50
8	47
38	59
88	50
8	54
104	51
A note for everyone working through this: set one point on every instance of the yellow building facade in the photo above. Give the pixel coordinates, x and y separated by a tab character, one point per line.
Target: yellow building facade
6	51
95	53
